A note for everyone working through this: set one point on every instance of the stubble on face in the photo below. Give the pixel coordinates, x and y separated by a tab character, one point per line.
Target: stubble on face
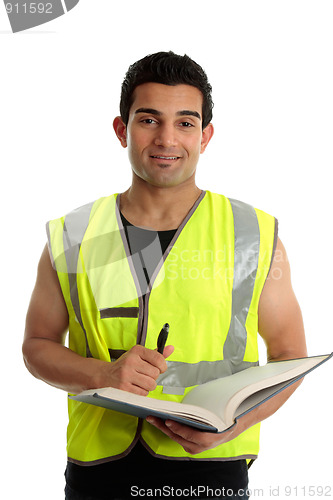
164	133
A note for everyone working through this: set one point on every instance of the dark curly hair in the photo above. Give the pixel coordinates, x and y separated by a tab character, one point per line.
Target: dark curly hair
167	68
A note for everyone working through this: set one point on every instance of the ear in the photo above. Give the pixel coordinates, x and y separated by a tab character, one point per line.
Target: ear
120	130
207	134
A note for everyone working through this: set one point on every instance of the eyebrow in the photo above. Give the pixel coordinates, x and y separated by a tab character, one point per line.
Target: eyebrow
149	111
188	112
152	111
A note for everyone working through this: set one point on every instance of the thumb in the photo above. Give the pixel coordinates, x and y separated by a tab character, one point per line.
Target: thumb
168	350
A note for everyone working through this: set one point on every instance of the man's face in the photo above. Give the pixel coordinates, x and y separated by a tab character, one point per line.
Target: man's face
164	134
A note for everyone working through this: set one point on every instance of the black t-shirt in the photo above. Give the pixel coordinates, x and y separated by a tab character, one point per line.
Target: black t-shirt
140	471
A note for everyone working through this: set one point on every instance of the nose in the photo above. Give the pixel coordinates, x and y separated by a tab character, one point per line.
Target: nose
166	136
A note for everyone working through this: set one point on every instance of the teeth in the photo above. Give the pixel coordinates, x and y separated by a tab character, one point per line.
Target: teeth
166	157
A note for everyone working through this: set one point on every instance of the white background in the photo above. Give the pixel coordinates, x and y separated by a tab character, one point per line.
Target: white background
270	64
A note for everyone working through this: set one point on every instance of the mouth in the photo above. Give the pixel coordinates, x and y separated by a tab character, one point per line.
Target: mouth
165	158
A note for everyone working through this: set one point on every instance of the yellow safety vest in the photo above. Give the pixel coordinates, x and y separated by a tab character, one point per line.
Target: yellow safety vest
207	286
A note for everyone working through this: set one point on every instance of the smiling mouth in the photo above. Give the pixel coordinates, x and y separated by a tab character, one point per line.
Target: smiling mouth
158	157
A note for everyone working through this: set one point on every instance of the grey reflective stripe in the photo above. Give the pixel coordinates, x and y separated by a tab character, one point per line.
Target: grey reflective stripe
119	312
49	245
132	268
246	255
75	226
181	375
247	244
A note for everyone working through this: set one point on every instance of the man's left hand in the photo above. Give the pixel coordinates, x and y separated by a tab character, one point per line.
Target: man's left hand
193	441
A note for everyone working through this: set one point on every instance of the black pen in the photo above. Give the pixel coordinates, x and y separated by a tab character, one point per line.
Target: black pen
162	338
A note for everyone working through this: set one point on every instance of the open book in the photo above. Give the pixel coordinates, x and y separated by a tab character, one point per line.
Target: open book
215	405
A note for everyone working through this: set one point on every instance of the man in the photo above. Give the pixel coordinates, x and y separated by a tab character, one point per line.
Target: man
163	251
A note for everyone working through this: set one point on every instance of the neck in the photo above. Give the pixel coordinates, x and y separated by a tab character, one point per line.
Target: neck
158	208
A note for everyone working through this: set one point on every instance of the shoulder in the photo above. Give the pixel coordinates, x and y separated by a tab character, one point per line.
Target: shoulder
88	208
80	216
233	202
67	232
243	212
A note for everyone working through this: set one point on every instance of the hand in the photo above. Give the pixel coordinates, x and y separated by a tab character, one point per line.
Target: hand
193	441
137	370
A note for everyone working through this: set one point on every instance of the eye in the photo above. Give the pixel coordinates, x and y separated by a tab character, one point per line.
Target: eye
148	121
186	124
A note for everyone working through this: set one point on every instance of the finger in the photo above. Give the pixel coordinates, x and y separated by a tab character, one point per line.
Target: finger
160	424
144	382
143	360
168	350
184	431
165	427
153	357
147	370
133	381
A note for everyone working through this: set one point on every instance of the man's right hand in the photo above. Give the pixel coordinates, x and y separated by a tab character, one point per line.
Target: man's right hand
137	370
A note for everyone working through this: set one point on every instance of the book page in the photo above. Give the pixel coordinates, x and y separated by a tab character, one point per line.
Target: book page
142	406
223	396
258	397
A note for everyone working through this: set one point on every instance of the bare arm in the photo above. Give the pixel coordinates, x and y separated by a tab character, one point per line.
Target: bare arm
47	358
281	327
